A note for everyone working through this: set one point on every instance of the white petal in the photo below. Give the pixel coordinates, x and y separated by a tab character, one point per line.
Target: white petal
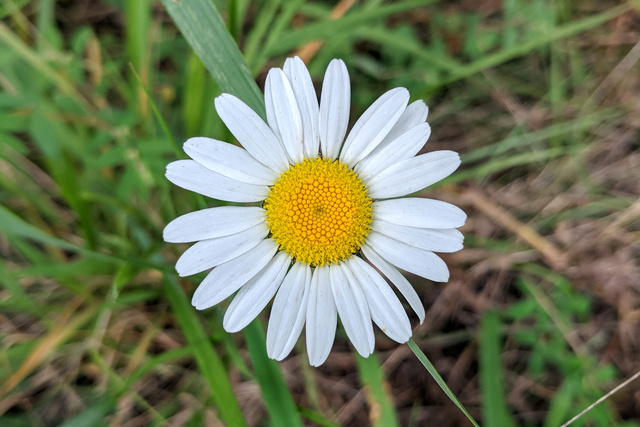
321	317
385	307
288	312
227	278
254	134
419	212
374	125
229	160
191	175
212	222
411	175
254	296
416	113
353	308
404	147
283	114
212	252
334	108
417	261
397	279
305	93
424	238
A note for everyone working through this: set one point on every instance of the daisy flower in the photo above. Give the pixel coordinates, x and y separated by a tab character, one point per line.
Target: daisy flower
325	230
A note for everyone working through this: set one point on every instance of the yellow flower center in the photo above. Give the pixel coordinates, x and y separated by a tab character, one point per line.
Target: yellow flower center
318	211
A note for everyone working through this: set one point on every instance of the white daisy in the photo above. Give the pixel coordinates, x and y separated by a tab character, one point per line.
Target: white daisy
326	226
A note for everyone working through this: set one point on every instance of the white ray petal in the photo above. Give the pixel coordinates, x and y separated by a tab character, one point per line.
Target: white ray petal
212	252
288	312
429	239
191	175
385	307
416	113
374	125
212	222
353	309
417	261
404	147
252	133
227	278
419	212
307	99
254	296
397	279
334	108
283	114
413	174
229	160
321	317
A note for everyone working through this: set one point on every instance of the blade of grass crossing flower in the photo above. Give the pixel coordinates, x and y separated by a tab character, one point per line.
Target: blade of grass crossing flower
208	360
381	410
436	376
203	27
494	405
277	397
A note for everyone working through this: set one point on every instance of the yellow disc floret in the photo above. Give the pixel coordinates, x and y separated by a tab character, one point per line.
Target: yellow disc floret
318	211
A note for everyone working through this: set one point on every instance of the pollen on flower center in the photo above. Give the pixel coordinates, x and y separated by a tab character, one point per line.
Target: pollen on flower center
318	211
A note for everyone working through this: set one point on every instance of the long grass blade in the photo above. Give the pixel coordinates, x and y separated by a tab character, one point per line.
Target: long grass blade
203	27
277	397
208	360
494	405
436	376
382	412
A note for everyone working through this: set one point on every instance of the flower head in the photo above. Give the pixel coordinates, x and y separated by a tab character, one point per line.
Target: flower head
330	228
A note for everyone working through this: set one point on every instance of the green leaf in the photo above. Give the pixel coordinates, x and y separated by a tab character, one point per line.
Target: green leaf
382	411
203	27
325	29
436	376
208	360
277	397
494	405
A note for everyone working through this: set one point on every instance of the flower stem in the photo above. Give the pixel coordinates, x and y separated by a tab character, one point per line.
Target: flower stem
436	376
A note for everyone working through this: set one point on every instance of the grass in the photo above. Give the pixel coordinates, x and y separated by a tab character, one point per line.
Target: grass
538	321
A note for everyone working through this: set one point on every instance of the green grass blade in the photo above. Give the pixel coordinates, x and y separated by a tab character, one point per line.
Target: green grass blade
521	49
562	403
138	14
382	410
275	391
156	112
327	28
195	100
494	405
208	360
436	376
255	37
13	42
204	29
